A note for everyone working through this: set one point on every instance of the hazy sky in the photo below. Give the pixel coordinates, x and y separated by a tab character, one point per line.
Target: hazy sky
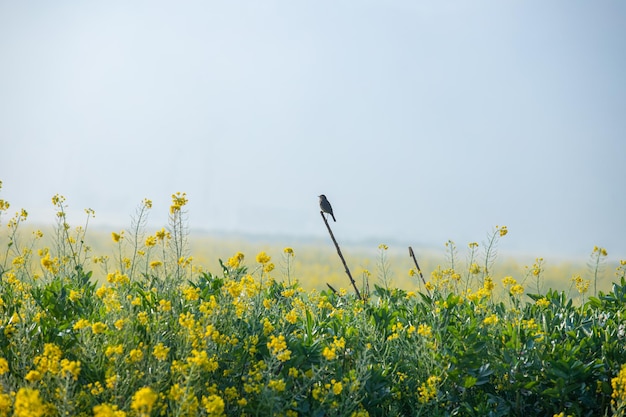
422	121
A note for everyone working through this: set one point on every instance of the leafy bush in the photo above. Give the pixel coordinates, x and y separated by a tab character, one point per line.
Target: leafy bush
162	337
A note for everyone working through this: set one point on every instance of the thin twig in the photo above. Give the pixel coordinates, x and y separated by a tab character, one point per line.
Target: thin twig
356	290
419	271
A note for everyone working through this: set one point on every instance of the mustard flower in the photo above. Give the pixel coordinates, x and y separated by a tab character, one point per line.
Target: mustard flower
28	403
33	376
160	351
117	236
106	410
424	330
70	368
236	260
214	405
135	355
99	327
4	366
543	302
289	251
143	401
263	258
179	200
337	387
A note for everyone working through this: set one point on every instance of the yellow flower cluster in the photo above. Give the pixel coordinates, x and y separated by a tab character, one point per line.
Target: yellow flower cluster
278	348
428	390
619	391
330	352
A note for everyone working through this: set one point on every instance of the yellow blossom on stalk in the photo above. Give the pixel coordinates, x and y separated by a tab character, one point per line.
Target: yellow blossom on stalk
135	355
291	317
337	387
160	351
106	410
191	293
28	403
490	320
412	272
268	267
142	318
474	269
143	401
214	405
99	327
488	285
165	305
155	264
508	281
179	200
517	289
424	330
502	230
4	366
33	376
382	246
114	350
582	285
71	368
263	258
268	327
162	234
600	251
185	262
187	320
117	236
619	389
81	324
75	295
543	302
428	390
119	324
278	385
289	251
236	260
150	241
278	348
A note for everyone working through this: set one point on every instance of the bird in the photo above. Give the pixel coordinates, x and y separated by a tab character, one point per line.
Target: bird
326	207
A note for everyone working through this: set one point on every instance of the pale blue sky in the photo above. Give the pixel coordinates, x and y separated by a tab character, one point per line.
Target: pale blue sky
422	121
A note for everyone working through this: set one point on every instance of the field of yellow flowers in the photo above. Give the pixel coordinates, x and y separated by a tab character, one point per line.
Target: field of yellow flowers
159	336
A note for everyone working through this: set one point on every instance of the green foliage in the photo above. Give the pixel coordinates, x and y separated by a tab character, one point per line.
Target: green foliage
162	338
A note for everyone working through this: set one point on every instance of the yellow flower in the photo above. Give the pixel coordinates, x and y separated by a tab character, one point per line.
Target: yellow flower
263	258
214	405
143	401
288	251
236	260
117	236
28	403
517	290
160	351
151	241
278	348
33	376
135	355
99	327
72	368
424	330
155	264
382	246
178	201
543	302
493	319
106	410
337	388
502	230
4	366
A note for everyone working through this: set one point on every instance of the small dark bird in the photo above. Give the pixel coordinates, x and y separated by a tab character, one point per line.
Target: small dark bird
326	207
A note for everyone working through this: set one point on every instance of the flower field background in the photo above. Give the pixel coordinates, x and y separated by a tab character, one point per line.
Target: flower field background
149	328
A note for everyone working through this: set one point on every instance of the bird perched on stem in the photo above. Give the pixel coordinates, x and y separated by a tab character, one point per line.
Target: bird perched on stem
326	207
